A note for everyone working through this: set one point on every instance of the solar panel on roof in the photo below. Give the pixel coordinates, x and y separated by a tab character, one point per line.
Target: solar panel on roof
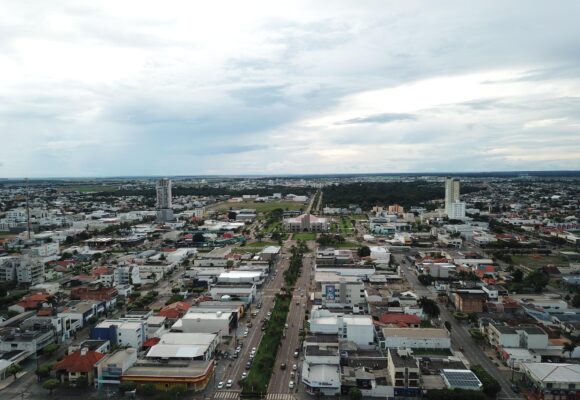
462	379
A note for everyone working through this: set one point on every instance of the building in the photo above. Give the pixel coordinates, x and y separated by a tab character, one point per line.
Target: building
78	364
358	329
321	367
127	332
451	193
457	210
553	381
190	346
470	301
404	372
25	270
424	338
306	223
334	290
110	368
198	321
163	208
461	379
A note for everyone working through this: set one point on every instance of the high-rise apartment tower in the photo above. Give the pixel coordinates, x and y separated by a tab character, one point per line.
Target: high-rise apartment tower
164	211
451	193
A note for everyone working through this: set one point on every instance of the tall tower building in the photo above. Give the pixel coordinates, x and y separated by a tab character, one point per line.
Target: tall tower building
451	193
164	211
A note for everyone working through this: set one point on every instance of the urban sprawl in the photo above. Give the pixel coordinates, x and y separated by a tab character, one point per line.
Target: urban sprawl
386	287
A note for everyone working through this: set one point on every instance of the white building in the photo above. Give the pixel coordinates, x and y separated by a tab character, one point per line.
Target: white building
339	291
424	338
456	210
306	222
129	332
198	321
240	277
193	346
127	275
358	329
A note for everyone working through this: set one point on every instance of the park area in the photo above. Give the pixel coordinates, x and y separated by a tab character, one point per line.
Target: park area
260	207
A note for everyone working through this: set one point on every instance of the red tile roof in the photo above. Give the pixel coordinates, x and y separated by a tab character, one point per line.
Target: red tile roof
175	310
402	320
75	362
151	342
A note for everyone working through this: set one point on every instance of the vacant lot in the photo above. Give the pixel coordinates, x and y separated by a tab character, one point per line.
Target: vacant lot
538	261
260	207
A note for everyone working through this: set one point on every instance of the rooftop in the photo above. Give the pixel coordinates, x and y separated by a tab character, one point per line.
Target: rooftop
423	333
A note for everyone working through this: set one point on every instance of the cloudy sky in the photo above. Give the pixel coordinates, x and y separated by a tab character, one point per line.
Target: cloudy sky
102	88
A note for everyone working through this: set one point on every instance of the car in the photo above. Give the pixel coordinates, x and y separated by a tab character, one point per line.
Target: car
244	375
229	383
246	334
248	365
298	303
253	349
291	385
295	354
220	385
252	356
292	374
269	314
263	328
285	325
283	366
249	325
294	367
460	348
236	354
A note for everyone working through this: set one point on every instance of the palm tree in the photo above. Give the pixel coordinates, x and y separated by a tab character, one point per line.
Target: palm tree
568	348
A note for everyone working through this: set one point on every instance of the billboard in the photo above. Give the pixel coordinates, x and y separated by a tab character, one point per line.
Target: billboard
330	293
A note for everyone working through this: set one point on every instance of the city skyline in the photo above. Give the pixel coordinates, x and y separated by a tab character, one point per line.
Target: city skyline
140	89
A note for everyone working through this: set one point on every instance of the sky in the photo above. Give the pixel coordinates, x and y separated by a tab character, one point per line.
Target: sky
124	88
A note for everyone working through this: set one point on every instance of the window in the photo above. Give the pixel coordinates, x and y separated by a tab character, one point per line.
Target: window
549	385
572	386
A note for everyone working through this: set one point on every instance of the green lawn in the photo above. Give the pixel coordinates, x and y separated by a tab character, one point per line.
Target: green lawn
345	226
538	261
260	207
304	236
254	245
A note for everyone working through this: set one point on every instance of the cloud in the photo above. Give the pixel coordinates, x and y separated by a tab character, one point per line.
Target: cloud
136	87
378	119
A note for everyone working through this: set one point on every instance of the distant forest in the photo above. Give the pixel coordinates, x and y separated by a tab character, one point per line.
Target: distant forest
205	191
370	194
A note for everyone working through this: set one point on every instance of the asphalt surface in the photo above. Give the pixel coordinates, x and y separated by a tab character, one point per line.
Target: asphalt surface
279	382
460	336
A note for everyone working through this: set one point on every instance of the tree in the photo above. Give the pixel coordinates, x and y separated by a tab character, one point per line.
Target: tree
569	348
518	276
127	387
50	385
50	349
354	393
148	389
448	325
576	300
425	280
364	251
537	280
429	307
14	369
491	387
259	236
44	371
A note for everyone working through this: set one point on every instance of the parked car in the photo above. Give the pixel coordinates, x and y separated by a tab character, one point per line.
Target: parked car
229	383
294	367
291	384
283	366
244	375
295	354
220	385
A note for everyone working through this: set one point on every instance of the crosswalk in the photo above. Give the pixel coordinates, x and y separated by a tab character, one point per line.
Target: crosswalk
227	395
235	395
280	396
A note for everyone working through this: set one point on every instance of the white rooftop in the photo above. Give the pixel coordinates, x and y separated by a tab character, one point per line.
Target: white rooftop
554	372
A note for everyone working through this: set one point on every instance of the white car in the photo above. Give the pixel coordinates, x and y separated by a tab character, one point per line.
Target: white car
244	375
291	385
294	367
220	385
253	349
229	384
246	334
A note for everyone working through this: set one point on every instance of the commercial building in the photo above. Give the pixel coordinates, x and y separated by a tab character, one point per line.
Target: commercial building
424	338
198	321
461	379
163	208
333	290
404	373
358	329
110	368
120	332
190	346
553	381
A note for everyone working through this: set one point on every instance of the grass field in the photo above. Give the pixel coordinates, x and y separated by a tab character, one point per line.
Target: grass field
254	245
304	236
538	261
260	207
